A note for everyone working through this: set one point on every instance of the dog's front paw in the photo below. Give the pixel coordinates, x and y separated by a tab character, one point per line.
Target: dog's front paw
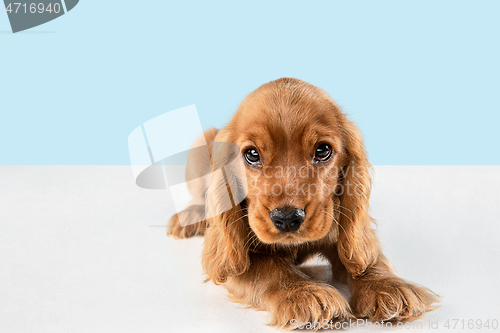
311	305
391	299
190	215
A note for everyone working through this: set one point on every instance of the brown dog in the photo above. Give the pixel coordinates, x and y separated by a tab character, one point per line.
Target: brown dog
308	189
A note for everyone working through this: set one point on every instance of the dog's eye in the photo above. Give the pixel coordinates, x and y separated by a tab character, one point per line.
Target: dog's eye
323	153
252	157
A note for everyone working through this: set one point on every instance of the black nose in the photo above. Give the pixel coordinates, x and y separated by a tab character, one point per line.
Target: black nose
287	218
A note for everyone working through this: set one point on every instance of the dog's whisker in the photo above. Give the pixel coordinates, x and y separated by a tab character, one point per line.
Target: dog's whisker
255	239
250	236
336	210
246	242
239	210
340	225
236	220
346	209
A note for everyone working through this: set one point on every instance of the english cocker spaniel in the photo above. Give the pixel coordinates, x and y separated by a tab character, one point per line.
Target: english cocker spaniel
308	180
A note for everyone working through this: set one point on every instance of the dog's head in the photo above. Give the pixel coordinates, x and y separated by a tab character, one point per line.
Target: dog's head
306	168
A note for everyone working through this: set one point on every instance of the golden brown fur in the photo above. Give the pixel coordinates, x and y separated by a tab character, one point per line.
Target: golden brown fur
285	119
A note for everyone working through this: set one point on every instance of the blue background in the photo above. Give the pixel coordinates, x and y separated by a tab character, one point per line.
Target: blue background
420	78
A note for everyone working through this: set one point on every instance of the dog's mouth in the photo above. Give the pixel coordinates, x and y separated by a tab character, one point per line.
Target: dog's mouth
291	239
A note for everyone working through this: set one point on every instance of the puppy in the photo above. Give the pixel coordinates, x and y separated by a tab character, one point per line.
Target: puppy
308	180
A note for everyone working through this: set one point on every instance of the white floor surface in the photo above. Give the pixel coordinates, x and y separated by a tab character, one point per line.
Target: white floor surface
82	249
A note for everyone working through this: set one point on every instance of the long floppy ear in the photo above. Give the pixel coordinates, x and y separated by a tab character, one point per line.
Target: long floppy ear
358	247
225	252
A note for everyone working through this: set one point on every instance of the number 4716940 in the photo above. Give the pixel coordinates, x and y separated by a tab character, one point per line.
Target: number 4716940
471	324
33	8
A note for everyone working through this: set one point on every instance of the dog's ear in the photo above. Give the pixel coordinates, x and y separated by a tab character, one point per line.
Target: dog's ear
358	246
225	251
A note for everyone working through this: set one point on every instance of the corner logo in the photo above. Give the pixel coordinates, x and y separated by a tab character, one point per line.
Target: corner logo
26	15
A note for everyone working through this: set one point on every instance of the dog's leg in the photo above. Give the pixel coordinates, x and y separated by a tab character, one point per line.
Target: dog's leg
192	213
198	165
378	293
276	285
